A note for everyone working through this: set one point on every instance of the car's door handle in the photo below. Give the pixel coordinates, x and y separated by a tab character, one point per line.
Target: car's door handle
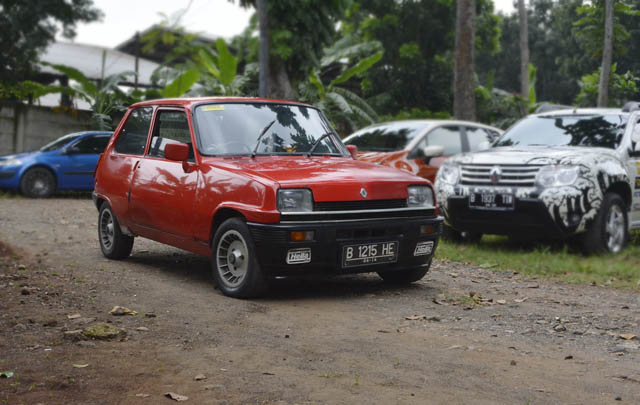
136	166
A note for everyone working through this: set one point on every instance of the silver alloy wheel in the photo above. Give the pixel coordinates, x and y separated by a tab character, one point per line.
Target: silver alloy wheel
107	234
614	229
232	258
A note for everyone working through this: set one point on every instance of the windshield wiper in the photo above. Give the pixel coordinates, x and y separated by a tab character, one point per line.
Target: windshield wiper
264	131
317	142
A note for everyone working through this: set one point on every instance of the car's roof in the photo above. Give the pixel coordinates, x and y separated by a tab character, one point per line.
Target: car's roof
191	101
583	111
428	122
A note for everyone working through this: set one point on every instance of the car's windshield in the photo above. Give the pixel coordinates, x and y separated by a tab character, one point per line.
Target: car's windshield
59	143
604	131
234	129
385	138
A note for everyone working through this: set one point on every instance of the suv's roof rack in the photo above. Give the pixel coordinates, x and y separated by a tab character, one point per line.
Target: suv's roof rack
546	107
631	106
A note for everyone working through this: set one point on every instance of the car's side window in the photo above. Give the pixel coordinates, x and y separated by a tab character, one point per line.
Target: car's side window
133	137
91	145
448	137
478	137
170	127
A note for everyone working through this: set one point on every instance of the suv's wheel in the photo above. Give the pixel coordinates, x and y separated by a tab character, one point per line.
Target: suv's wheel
234	263
38	182
453	235
404	276
113	243
609	230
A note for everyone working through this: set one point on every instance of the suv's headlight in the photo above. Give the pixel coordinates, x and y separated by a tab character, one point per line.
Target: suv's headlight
420	196
556	176
449	174
295	200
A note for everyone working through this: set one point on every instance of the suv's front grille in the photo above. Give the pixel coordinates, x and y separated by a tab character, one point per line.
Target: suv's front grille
359	205
509	175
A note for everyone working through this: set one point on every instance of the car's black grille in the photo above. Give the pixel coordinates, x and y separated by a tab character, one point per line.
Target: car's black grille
359	205
368	233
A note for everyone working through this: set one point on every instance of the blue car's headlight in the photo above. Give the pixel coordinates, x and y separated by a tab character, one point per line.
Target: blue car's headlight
10	162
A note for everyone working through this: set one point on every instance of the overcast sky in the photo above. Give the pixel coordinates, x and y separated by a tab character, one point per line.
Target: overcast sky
122	18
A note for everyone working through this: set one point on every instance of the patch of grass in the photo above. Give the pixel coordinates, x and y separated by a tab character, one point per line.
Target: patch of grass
555	261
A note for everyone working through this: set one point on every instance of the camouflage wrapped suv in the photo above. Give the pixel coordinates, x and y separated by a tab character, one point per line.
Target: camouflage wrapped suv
556	174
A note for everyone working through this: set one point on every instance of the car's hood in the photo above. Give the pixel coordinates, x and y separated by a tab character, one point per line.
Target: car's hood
17	156
532	155
330	178
381	157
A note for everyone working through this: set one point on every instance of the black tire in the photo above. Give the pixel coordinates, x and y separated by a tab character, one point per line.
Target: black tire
452	235
609	230
114	244
38	182
234	263
404	276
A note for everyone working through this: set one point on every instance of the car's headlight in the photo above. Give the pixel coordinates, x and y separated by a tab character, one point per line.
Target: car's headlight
449	174
295	200
557	176
11	162
420	196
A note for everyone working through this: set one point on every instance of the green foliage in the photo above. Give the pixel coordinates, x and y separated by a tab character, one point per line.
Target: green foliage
416	114
27	27
622	88
181	84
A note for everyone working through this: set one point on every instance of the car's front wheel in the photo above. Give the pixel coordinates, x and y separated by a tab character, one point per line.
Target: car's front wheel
113	243
233	260
38	182
609	231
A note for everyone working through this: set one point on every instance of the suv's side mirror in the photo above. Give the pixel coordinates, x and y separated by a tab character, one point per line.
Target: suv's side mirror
353	150
176	151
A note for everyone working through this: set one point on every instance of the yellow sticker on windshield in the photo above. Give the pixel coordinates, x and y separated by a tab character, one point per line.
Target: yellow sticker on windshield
217	107
638	167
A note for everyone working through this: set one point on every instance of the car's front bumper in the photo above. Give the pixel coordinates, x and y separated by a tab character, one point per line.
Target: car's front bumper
273	244
530	217
9	178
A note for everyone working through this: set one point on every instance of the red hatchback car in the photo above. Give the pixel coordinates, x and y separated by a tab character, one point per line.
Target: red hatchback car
265	189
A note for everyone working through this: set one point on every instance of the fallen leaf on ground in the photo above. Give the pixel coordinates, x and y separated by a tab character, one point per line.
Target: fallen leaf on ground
501	302
142	329
384	331
80	365
200	377
519	300
118	311
415	317
143	395
74	316
176	397
453	347
627	336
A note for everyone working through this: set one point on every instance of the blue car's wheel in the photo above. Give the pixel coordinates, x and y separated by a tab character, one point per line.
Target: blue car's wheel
38	182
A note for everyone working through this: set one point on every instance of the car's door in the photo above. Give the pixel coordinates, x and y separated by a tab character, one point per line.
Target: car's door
117	168
162	190
634	174
447	136
81	157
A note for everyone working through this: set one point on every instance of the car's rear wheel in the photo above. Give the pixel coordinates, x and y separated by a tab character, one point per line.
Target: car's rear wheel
234	262
404	276
38	182
609	231
113	243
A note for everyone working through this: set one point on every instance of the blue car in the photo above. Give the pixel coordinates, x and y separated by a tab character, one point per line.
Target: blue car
67	163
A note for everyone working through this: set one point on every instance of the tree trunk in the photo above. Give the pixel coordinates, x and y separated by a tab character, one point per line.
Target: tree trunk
279	83
607	51
524	50
264	49
464	103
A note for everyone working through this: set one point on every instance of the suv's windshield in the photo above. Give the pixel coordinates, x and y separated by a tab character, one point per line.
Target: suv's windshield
385	138
59	143
604	131
234	128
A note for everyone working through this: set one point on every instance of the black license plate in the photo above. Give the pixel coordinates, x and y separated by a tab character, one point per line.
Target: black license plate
365	254
491	200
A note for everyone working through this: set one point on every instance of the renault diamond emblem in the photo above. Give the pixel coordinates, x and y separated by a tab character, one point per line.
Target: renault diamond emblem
363	193
495	174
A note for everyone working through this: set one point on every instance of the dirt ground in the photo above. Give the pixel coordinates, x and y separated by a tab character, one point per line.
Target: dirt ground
461	335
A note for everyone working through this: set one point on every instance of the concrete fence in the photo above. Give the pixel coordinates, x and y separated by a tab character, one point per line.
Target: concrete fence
24	127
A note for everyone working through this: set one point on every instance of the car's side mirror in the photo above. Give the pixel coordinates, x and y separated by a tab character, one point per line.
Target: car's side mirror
432	151
176	151
353	150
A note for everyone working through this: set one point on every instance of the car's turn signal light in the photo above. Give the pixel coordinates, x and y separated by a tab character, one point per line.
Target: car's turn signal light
301	236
